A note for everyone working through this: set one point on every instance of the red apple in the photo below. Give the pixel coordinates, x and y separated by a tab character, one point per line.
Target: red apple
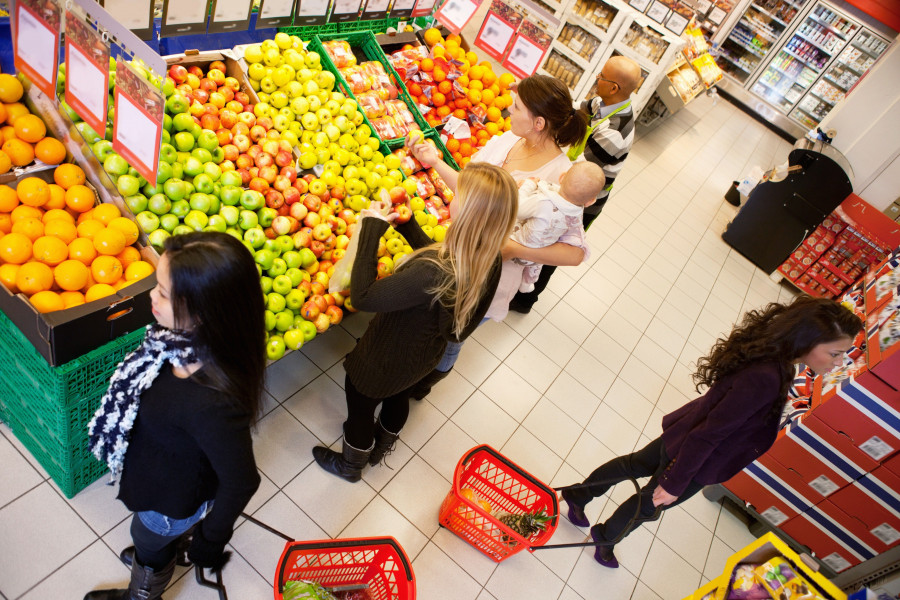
302	238
269	173
210	121
245	176
265	160
284	159
334	314
398	195
234	106
337	254
178	73
348	216
257	133
228	118
244	162
404	213
230	152
312	202
316	246
292	197
216	74
201	96
265	122
290	172
208	85
310	310
196	70
258	184
242	142
241	128
241	97
301	185
317	288
312	220
282	183
274	199
322	323
223	135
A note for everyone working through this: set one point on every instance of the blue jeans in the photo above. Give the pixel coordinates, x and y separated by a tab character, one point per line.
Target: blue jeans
156	536
451	353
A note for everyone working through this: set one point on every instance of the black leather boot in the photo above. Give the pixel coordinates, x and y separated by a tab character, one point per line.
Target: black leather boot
146	584
181	557
385	441
347	464
423	387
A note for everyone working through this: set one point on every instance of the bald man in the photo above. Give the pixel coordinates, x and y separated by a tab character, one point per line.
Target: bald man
612	120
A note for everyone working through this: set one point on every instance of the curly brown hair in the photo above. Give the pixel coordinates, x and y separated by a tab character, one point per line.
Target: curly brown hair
778	332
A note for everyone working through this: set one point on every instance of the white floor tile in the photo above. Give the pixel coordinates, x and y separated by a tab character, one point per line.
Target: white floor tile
479	566
510	392
619	328
631	308
647	369
424	419
667	574
484	421
330	501
95	568
587	454
475	362
569	321
586	304
284	377
97	505
17	475
282	461
325	350
573	398
379	519
731	528
588	577
719	553
533	365
417	492
604	347
321	406
439	578
552	427
523	575
499	338
445	449
629	403
379	475
448	395
527	451
683	534
613	430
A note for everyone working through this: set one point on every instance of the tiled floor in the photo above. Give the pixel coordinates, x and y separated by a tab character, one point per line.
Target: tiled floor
586	376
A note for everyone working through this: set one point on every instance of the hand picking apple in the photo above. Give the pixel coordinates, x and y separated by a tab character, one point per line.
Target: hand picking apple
379	210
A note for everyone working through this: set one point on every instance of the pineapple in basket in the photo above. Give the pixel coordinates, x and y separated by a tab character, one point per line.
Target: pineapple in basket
526	524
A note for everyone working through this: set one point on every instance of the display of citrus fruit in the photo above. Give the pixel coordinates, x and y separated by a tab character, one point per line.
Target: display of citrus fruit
82	249
47	301
106	269
30	128
33	191
50	250
67	174
10	88
79	198
97	291
15	248
71	275
109	241
20	153
50	151
34	277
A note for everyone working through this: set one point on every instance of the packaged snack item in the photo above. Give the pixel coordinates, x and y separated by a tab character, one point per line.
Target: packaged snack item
774	575
744	585
340	53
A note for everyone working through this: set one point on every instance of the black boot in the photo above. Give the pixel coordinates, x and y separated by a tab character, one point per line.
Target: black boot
385	441
146	584
181	557
423	387
347	465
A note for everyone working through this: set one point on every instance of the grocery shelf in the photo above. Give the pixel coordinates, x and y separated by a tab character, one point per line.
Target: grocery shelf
768	14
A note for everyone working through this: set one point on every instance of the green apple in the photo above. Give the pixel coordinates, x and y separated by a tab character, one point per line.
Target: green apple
269	320
169	222
128	185
196	220
275	346
114	164
157	238
293	339
249	221
230	195
183	141
137	203
308	329
147	221
180	208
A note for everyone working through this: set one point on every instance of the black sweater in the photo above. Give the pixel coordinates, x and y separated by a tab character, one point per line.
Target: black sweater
189	444
406	339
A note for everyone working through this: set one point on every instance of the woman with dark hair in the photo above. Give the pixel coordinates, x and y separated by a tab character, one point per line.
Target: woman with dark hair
175	422
710	439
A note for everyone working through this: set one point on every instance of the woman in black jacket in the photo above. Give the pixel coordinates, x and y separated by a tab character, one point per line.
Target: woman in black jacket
439	294
175	422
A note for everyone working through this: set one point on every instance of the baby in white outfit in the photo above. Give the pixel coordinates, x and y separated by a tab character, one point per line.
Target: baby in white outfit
548	210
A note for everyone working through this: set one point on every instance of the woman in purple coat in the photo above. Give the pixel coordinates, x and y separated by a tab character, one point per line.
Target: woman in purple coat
712	438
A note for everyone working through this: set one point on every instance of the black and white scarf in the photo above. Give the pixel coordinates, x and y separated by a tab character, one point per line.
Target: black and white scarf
110	429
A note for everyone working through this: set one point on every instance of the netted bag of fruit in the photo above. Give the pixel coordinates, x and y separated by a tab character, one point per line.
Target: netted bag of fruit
381	81
340	53
408	163
387	128
372	105
399	110
440	186
356	79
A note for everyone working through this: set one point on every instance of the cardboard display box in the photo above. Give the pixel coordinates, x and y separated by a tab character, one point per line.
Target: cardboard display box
829	540
874	501
763	484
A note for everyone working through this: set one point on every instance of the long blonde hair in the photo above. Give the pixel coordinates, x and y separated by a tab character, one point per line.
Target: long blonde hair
488	203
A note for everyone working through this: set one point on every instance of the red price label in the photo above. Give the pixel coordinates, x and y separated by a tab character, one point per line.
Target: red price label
37	42
137	126
87	72
498	28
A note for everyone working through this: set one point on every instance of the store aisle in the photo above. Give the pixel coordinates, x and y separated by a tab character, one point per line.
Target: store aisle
588	374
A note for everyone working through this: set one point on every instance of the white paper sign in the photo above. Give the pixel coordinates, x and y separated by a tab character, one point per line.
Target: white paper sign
343	7
458	12
36	45
403	5
87	83
525	55
496	33
186	11
141	134
309	8
716	15
232	10
131	14
271	9
379	6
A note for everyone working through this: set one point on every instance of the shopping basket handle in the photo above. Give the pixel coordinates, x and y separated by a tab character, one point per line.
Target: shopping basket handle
625	531
216	585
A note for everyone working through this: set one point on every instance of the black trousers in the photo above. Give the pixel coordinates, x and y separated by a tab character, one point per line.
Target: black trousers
152	549
650	461
359	428
528	299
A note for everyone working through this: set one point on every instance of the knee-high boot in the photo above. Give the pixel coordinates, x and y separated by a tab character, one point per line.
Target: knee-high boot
423	387
384	443
146	584
347	464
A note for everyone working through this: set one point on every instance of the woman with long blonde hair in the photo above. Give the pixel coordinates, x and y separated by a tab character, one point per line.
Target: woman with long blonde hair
439	295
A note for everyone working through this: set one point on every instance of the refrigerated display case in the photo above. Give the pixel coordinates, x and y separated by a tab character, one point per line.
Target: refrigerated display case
754	35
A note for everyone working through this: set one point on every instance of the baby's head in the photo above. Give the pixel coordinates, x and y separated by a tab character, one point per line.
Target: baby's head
581	184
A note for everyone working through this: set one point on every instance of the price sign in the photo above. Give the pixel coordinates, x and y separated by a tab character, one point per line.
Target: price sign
345	10
183	17
376	9
658	11
87	72
137	125
403	9
275	13
136	15
230	15
528	49
498	28
312	12
454	14
640	5
37	42
676	23
423	7
716	15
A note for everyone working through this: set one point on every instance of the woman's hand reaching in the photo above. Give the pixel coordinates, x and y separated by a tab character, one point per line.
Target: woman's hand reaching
379	210
426	154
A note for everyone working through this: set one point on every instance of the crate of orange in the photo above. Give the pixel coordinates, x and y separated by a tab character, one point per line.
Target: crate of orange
75	274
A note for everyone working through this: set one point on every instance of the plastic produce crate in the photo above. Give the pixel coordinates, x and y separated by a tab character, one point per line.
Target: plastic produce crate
379	562
49	408
391	145
508	488
308	32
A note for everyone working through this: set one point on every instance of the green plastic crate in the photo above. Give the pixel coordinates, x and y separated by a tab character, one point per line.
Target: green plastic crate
308	32
371	50
49	408
390	146
373	25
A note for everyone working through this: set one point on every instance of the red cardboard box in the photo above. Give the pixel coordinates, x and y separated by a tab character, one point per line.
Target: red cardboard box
893	465
770	495
874	501
829	539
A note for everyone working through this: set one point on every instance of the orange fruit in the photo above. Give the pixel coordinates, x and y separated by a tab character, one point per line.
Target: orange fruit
465	148
33	191
61	229
106	269
15	248
472	57
492	128
25	212
476	72
474	96
414	89
128	227
459	113
34	277
80	198
427	65
505	80
488	78
127	256
121	283
19	152
432	36
105	213
5	161
438	52
11	88
5	223
71	299
453	144
487	96
31	227
8	272
494	88
57	197
88	229
475	84
47	301
7	132
109	242
445	87
443	111
438	99
2	113
57	214
463	80
138	270
494	115
82	249
8	199
483	135
50	250
30	128
67	174
87	215
71	275
439	74
50	150
14	110
99	290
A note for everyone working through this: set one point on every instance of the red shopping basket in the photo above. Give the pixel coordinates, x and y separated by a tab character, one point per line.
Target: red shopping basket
378	562
508	488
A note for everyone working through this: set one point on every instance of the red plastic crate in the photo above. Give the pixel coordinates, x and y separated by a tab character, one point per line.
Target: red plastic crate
508	488
379	562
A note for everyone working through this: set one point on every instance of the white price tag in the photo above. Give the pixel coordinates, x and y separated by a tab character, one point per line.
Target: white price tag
344	7
774	515
379	6
823	485
272	9
496	33
87	83
837	562
140	135
130	13
456	13
403	5
876	447
525	55
232	10
181	12
36	45
886	534
313	8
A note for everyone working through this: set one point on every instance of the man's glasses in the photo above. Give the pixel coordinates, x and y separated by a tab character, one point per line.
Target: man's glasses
602	78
